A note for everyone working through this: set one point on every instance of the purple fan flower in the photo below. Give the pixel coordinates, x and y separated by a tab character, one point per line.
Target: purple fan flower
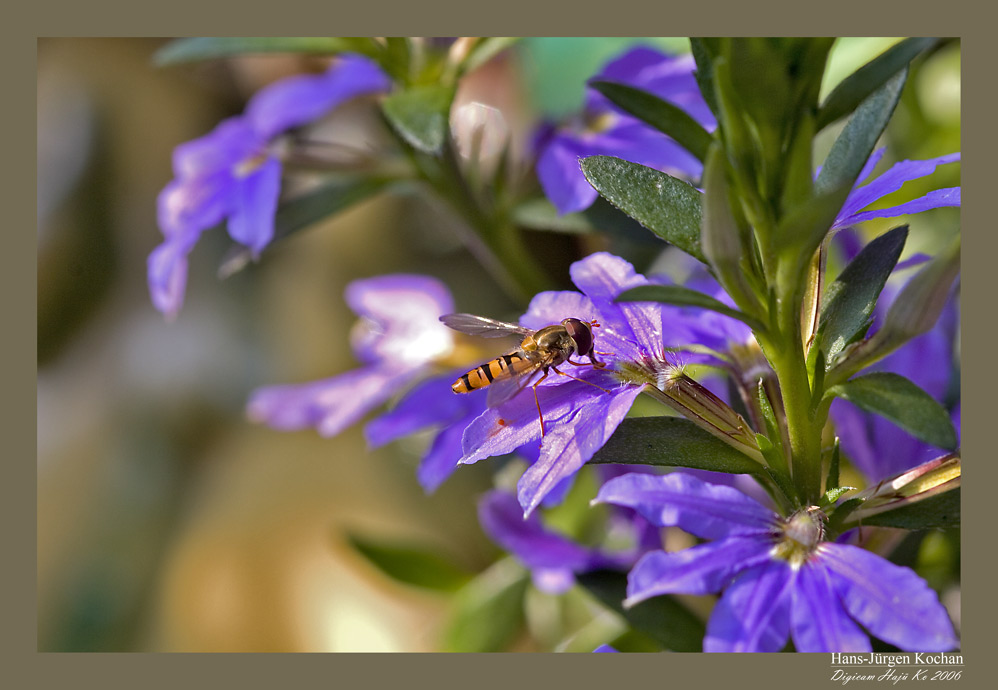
778	577
430	404
607	130
891	181
400	335
234	171
552	558
580	415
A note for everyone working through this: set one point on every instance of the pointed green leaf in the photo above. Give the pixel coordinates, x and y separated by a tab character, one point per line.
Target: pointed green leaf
668	207
854	145
832	481
724	241
913	312
671	442
849	301
306	210
776	464
662	115
832	495
804	227
600	217
921	301
420	115
411	565
935	512
488	611
703	50
896	398
845	97
777	456
684	297
840	514
662	618
208	47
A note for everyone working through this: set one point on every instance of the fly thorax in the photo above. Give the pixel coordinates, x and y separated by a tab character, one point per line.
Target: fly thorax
555	338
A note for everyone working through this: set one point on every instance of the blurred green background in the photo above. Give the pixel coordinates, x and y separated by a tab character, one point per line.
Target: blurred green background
167	522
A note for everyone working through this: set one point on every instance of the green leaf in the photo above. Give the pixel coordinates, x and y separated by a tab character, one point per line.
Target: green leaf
396	57
411	565
634	641
207	47
849	301
671	442
832	495
420	115
662	618
660	114
302	212
896	398
804	227
668	207
921	301
860	84
832	481
854	144
488	611
684	297
703	50
913	312
936	512
725	242
840	513
769	419
600	217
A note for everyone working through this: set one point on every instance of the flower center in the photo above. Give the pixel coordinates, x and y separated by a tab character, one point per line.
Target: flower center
596	123
800	535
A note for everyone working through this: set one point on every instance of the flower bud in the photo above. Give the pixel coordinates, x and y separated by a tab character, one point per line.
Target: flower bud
926	480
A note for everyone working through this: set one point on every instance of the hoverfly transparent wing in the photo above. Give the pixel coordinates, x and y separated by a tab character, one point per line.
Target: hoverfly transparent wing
483	327
507	388
523	374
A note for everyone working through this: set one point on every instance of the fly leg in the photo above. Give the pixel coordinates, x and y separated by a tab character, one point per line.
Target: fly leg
593	362
561	373
537	402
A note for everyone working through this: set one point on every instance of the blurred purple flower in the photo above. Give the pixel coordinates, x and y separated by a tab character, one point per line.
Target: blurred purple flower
579	417
553	559
606	130
430	404
234	171
398	337
891	181
778	577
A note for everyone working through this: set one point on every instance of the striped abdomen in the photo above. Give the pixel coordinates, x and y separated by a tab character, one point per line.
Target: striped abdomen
499	368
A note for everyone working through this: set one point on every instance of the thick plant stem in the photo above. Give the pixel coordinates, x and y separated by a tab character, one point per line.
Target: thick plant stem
786	355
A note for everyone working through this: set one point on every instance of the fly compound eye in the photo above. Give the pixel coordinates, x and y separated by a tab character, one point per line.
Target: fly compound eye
581	333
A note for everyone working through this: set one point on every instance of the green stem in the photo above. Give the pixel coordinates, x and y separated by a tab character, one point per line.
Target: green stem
510	261
490	237
785	352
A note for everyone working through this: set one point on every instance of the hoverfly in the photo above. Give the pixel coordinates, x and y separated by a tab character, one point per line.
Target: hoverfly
539	351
